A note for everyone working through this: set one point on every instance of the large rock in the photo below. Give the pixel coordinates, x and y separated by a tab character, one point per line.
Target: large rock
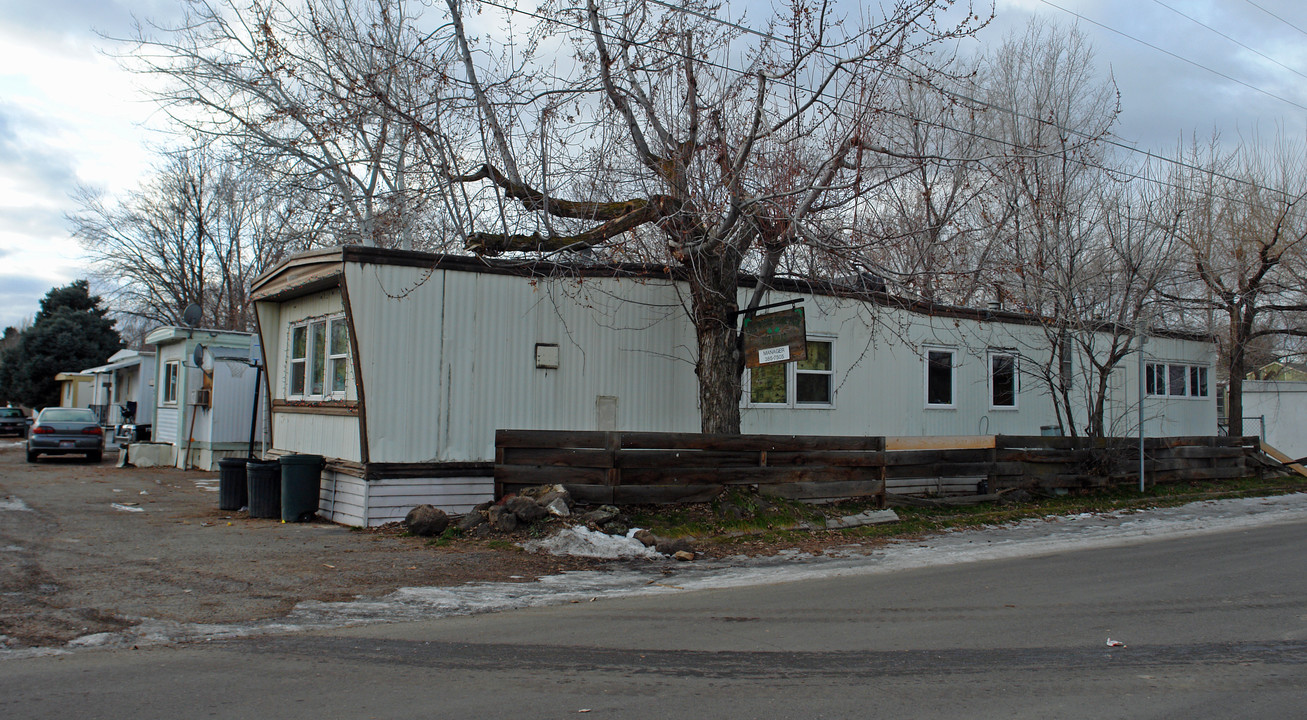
526	509
671	546
556	494
502	519
558	508
426	521
599	516
539	491
471	520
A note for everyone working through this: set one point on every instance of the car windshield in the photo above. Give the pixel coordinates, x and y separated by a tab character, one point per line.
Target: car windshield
10	412
66	415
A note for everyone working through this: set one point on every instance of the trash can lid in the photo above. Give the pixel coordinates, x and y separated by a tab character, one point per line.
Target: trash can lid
301	459
231	462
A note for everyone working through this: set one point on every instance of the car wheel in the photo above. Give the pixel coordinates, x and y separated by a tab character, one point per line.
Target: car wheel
96	456
31	456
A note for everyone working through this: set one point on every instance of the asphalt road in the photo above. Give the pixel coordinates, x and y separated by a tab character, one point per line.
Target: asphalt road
1215	626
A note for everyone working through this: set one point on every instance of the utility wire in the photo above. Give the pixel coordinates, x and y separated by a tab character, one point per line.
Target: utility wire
1277	17
1107	140
1181	58
992	106
1255	51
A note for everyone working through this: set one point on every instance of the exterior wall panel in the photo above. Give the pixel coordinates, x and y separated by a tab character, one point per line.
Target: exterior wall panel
331	436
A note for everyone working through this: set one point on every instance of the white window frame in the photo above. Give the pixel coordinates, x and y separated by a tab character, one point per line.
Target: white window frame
341	358
171	381
311	349
792	372
1016	378
292	362
926	351
1198	375
1189	372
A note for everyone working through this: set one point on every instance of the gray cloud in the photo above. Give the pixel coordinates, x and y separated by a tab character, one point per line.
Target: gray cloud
1164	98
23	157
34	222
20	297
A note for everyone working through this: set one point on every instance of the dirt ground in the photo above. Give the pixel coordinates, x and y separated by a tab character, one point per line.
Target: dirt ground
87	548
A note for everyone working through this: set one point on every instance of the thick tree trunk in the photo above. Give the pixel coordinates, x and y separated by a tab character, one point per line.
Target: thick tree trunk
713	286
1241	325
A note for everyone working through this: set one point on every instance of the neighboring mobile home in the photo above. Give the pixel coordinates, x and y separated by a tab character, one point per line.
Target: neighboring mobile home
1278	410
399	367
204	412
75	389
124	388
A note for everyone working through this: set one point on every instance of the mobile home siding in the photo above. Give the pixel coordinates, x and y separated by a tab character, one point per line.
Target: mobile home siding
448	357
331	436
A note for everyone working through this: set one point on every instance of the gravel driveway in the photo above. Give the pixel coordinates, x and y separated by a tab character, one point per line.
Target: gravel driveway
89	548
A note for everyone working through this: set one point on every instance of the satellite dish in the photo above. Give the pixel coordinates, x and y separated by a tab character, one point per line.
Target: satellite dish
197	357
191	315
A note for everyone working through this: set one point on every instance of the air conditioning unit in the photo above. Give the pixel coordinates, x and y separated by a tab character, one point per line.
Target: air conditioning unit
202	397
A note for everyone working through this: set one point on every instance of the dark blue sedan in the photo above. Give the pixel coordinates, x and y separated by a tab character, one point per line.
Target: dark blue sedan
64	431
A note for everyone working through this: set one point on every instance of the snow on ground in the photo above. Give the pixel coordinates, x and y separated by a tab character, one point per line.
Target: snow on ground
1027	538
13	504
584	542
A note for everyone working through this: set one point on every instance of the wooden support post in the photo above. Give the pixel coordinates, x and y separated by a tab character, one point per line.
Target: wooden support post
613	478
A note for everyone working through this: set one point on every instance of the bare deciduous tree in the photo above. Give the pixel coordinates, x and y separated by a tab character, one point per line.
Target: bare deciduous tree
737	150
198	232
1241	216
1050	174
292	84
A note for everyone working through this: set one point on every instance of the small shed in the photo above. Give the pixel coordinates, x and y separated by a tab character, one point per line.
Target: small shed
206	411
400	366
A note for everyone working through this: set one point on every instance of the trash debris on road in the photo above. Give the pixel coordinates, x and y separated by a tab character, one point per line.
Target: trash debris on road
1115	643
126	507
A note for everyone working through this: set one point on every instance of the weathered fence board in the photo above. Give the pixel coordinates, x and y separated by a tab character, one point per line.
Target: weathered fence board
620	467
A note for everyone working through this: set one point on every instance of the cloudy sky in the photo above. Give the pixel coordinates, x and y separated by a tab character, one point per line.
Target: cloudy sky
70	117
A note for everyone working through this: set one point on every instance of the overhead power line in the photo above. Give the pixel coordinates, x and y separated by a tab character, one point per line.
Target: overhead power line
1181	58
1277	17
1107	140
1253	50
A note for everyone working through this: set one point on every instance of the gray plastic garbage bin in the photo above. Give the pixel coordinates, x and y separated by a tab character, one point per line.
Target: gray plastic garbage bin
264	480
301	483
233	490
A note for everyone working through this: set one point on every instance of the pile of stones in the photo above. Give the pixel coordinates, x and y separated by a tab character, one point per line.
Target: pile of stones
545	504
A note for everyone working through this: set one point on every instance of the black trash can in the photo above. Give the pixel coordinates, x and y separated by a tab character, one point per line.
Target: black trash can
301	483
264	488
233	492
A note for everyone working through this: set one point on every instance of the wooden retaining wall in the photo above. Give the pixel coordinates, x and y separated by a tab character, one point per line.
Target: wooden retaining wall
641	467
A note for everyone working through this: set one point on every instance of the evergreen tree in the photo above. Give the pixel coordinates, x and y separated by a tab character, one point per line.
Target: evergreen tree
70	333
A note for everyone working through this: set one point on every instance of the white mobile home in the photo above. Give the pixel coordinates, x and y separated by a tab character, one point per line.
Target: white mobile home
124	387
204	412
1277	409
399	367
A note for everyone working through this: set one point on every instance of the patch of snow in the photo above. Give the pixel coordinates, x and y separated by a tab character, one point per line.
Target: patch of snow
584	542
126	508
14	504
95	640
